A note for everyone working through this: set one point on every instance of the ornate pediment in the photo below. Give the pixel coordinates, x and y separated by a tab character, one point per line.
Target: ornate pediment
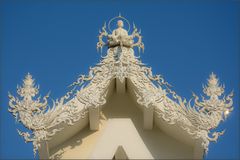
199	118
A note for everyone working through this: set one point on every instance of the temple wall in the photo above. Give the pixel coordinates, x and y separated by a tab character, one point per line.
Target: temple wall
121	124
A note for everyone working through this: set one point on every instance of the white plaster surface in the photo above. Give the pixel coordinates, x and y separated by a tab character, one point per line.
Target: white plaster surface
120	131
121	123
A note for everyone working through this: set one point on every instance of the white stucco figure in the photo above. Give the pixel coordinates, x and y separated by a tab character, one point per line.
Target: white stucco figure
119	36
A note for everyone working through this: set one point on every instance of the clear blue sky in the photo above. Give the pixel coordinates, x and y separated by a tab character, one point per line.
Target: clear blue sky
56	41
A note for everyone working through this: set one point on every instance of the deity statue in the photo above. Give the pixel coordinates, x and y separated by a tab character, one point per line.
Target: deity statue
119	36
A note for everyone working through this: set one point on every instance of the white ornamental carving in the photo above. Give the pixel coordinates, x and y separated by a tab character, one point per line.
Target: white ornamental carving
197	118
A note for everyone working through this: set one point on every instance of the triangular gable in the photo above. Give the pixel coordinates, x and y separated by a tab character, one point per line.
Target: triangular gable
152	91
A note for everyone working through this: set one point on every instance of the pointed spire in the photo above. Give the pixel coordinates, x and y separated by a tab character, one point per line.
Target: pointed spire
213	87
213	80
134	26
28	81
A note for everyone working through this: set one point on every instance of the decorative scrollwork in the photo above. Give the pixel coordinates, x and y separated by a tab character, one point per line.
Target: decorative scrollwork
203	116
102	34
198	117
137	34
36	116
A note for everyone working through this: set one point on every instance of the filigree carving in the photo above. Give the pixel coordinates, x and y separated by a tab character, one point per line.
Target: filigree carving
197	118
203	116
36	116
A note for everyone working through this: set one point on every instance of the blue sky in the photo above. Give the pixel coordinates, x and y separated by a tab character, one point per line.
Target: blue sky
56	41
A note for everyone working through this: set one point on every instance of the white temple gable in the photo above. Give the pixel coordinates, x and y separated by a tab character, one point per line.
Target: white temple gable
124	105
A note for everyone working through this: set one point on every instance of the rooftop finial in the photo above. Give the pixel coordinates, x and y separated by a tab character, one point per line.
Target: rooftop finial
120	36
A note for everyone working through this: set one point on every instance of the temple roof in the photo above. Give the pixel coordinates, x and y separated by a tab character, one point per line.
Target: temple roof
197	119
